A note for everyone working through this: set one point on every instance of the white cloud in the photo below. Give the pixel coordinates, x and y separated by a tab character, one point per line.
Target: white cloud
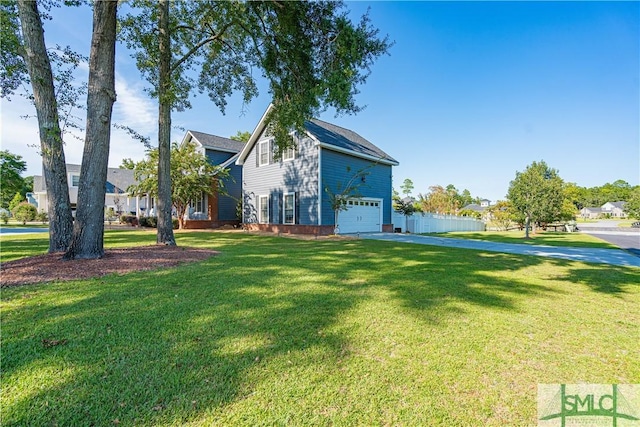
133	108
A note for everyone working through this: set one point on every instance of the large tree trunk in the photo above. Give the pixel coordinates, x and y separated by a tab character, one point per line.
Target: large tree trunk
165	224
88	230
53	162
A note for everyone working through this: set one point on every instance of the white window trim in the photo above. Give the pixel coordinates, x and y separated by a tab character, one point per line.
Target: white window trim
284	208
291	150
261	146
260	219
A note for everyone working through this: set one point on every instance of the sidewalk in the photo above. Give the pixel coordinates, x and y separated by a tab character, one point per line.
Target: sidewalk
595	255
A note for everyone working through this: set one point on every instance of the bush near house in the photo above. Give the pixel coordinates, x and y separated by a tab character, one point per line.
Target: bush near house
25	212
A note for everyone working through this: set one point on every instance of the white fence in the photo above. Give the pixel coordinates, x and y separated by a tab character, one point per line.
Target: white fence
435	223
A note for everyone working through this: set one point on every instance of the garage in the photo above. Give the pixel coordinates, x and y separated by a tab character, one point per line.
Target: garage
362	216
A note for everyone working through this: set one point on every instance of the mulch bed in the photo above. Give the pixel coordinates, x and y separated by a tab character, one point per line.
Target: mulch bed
51	267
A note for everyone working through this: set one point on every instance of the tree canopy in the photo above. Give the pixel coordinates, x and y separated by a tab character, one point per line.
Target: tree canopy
191	176
11	168
537	194
311	54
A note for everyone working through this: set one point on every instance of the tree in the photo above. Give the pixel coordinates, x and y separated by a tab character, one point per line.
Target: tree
88	230
501	214
339	198
25	212
241	136
17	199
191	176
312	55
439	200
404	206
11	166
407	187
128	164
632	207
28	54
536	194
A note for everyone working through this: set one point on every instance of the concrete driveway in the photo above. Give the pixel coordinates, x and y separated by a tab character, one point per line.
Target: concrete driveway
594	255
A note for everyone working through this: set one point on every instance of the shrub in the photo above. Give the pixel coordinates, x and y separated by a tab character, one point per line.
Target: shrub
42	217
4	216
132	220
176	223
25	212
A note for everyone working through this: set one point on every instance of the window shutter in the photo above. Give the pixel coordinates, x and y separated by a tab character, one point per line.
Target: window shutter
257	151
280	208
270	201
296	207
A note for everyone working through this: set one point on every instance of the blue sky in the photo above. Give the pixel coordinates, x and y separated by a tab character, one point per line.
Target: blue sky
471	93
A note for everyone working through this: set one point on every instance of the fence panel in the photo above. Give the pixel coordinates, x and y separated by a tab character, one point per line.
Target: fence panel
436	223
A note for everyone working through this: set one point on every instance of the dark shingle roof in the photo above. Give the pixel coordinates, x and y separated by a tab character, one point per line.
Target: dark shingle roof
345	139
217	142
117	179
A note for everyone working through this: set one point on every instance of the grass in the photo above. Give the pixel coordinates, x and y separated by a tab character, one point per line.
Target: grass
276	331
548	238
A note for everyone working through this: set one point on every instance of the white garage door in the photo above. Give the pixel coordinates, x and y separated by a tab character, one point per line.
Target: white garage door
361	216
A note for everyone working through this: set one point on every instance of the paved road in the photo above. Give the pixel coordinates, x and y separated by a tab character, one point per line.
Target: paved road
10	230
627	241
595	255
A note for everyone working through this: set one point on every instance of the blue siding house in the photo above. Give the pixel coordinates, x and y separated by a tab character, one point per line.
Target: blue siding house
291	193
215	210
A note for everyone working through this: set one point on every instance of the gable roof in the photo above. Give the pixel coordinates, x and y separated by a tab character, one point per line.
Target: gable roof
214	142
338	138
328	136
619	204
118	180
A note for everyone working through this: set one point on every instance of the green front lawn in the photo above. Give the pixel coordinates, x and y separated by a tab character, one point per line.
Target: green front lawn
277	331
548	238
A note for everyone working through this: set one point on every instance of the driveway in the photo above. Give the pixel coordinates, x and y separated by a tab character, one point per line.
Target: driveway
594	255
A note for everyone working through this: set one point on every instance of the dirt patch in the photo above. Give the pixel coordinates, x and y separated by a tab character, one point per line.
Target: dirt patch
51	267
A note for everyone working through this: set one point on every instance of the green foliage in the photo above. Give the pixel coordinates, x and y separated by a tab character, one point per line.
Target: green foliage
17	199
241	136
312	55
128	164
11	181
4	217
501	214
43	217
440	200
632	207
470	213
407	187
277	331
537	194
25	212
191	176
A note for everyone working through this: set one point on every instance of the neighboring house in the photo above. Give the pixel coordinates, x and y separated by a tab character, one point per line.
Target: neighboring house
116	197
610	209
615	209
481	208
287	193
590	212
214	210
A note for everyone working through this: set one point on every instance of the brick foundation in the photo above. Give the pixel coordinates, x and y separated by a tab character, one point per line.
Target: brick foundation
203	224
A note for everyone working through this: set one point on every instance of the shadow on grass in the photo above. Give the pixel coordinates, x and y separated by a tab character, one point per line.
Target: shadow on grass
167	346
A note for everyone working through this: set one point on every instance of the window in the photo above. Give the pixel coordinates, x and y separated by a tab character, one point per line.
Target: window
289	209
263	202
75	180
200	204
289	153
263	153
